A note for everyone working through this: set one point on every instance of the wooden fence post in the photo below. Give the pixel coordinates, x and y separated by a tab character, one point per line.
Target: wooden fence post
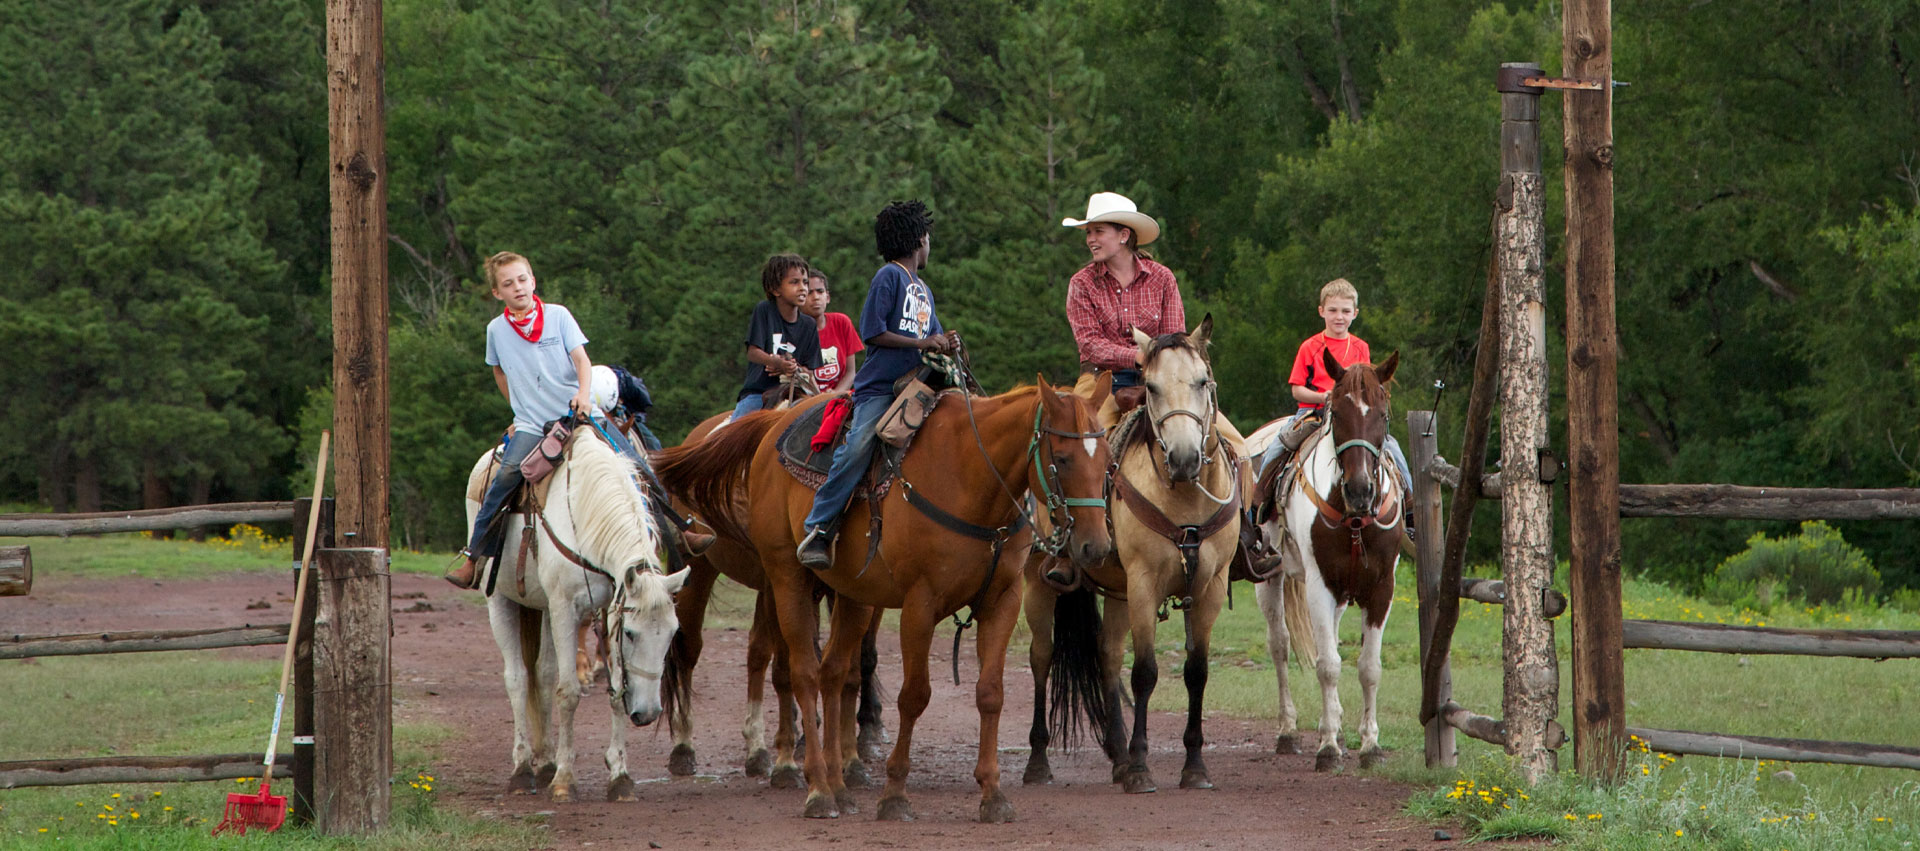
1593	416
16	571
1526	505
1442	749
353	673
302	763
357	193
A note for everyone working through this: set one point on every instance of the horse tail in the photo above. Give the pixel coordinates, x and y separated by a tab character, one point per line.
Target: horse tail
676	680
705	474
1074	682
531	633
1293	590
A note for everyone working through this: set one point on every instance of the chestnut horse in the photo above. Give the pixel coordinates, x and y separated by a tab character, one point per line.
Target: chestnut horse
738	562
1341	526
953	525
1175	508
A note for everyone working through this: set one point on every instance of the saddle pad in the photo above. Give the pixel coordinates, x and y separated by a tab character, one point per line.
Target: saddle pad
810	468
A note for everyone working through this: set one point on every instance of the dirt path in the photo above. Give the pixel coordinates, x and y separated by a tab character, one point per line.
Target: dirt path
446	671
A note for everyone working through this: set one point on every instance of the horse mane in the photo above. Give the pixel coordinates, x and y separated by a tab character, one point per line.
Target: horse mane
1173	340
611	520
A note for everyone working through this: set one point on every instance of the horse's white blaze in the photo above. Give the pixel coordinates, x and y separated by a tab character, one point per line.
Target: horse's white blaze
1363	406
1091	445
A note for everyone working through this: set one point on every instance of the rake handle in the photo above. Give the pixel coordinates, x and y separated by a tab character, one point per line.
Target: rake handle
299	605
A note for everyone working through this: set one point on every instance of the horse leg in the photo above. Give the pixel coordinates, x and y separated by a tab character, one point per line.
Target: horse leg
761	645
916	689
1039	610
989	696
1326	626
786	772
562	626
503	615
690	607
854	771
1142	618
1199	622
619	781
1369	662
797	613
873	727
1272	599
545	671
838	692
1114	630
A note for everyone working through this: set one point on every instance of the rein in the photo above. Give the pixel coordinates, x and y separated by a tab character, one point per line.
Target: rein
1187	538
1355	524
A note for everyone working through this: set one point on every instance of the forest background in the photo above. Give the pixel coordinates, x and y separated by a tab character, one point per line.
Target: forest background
164	244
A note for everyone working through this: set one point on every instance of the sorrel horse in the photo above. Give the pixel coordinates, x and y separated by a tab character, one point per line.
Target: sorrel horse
1341	525
594	553
1174	502
738	562
952	517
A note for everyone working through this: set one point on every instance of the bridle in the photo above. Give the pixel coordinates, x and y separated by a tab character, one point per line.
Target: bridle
1052	493
1356	520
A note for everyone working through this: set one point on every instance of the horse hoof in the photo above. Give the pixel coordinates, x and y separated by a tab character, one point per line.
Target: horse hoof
1287	743
894	809
843	800
996	810
1038	774
621	789
1138	782
1372	758
759	762
681	763
855	776
1195	778
786	777
522	783
820	806
1326	761
562	795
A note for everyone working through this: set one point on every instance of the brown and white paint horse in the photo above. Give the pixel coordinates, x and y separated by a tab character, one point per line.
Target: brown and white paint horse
1339	539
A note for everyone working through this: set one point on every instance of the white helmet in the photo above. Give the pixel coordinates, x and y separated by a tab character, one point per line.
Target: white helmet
604	390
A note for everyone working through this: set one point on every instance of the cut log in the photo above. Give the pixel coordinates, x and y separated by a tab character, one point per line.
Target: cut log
16	571
86	644
134	769
1764	503
183	517
1724	638
1785	750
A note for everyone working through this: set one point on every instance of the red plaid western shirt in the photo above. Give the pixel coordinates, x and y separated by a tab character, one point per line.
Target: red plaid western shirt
1102	313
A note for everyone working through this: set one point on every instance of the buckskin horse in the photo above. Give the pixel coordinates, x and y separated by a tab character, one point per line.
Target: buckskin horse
952	524
1339	531
1175	495
738	562
592	551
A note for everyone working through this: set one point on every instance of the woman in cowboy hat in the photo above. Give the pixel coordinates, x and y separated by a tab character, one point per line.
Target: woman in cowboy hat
1122	288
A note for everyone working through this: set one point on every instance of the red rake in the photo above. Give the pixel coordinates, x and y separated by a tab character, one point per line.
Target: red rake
263	810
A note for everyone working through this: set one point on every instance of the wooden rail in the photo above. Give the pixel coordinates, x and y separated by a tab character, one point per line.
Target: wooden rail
1724	638
1494	592
1786	750
158	519
86	644
1493	730
137	769
1765	503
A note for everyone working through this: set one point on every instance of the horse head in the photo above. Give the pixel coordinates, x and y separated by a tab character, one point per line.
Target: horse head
640	625
1070	456
1180	396
1357	408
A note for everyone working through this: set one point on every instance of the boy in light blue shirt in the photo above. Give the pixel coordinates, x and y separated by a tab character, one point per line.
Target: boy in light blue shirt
539	360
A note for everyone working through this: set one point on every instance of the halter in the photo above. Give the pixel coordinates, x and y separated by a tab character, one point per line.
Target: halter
1354	521
1051	491
1205	422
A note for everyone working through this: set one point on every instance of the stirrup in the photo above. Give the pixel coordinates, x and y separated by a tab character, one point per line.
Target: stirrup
816	549
466	574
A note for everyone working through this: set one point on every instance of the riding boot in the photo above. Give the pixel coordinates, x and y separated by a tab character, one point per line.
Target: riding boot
467	574
816	550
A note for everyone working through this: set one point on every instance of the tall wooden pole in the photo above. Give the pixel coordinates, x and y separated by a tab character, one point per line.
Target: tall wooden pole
1532	687
1593	439
357	184
1442	749
353	676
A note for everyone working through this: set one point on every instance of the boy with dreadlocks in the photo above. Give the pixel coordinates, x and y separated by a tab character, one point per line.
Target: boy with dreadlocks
897	323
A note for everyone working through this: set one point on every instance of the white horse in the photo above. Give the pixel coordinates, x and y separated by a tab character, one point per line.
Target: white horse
594	551
1338	534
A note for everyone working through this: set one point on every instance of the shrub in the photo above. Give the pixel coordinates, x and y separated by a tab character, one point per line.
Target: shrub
1816	566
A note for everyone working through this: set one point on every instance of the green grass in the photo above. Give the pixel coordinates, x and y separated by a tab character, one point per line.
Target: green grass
183	703
1746	807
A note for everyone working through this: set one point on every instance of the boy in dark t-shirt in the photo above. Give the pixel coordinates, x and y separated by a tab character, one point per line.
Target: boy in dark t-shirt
781	338
897	323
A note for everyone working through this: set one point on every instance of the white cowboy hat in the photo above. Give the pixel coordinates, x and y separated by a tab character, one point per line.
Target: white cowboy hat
1117	209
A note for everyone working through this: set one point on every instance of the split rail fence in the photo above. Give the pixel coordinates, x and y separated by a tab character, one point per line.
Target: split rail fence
340	746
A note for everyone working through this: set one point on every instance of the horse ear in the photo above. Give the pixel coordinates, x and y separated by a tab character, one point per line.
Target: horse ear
1333	366
1102	388
676	580
1203	334
1141	343
1385	370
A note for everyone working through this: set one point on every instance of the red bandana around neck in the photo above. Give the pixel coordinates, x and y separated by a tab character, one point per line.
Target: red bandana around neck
529	328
